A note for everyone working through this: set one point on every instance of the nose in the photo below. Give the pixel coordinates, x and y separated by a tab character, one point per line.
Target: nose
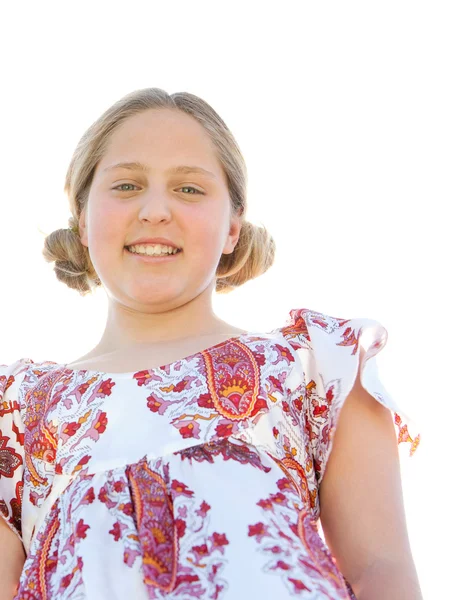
155	207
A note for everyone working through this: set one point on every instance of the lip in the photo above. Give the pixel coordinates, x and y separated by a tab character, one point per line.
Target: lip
159	240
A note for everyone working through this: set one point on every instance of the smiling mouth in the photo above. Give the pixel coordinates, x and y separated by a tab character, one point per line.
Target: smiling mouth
156	255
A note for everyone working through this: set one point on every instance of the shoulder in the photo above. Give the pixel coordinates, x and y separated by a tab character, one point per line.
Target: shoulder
9	373
326	335
14	373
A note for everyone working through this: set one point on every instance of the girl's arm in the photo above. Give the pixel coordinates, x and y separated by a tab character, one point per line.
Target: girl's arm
361	503
12	558
389	581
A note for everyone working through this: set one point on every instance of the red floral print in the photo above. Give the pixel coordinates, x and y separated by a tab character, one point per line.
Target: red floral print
199	479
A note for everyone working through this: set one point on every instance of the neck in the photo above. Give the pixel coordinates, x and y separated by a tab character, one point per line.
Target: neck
129	327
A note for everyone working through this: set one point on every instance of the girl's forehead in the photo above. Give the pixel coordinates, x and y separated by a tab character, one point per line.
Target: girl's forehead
161	122
166	147
184	142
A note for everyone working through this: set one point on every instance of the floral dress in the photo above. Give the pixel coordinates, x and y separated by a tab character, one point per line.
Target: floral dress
197	479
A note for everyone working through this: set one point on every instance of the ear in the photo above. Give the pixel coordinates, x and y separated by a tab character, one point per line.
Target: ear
233	235
82	229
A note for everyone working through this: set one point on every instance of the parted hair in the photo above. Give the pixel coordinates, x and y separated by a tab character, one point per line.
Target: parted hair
255	249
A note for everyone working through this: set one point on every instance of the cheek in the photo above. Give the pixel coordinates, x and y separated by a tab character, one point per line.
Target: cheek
107	224
206	227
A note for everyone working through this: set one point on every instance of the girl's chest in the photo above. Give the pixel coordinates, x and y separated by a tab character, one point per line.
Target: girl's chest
72	416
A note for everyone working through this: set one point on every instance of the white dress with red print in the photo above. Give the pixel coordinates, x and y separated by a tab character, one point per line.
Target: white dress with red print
197	479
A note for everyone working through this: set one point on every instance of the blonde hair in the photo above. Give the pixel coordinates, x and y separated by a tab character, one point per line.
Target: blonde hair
255	249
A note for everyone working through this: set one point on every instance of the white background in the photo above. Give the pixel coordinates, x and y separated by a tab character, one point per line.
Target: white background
342	111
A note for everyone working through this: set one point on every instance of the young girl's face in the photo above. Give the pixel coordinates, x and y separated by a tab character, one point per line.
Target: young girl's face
192	210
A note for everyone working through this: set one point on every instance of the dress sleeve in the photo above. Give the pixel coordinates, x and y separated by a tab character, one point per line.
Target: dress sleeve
329	349
11	445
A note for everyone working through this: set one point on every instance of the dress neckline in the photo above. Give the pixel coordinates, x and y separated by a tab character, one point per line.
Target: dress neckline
166	367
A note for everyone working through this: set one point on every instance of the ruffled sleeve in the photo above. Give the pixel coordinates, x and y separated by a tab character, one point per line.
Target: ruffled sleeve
11	445
329	350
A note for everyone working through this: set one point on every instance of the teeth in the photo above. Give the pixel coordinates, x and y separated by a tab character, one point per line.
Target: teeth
152	249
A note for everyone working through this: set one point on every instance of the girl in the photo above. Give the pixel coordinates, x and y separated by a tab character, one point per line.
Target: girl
184	457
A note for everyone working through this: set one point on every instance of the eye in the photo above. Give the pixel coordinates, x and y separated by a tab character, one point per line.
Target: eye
122	184
185	187
188	187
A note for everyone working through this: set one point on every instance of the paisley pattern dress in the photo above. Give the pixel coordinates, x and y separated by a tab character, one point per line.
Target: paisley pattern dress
198	479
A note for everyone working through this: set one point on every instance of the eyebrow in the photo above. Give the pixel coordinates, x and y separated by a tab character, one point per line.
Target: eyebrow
138	166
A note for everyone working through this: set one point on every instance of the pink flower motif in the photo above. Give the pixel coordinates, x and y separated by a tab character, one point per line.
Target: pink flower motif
89	497
183	384
188	428
116	532
130	556
69	430
186	578
180	526
298	585
326	432
34	498
259	530
265	503
206	401
82	388
276	385
280	564
105	498
144	377
103	495
97	427
219	540
65	581
101	422
204	508
105	388
283	354
279	498
330	394
180	489
260	359
226	428
320	410
299	403
200	551
127	508
284	484
84	460
157	405
80	530
119	486
217	592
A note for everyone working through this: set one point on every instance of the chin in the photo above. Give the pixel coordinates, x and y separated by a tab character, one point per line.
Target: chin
154	294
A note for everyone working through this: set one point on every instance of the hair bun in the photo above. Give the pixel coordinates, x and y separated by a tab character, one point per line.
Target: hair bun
68	253
253	255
